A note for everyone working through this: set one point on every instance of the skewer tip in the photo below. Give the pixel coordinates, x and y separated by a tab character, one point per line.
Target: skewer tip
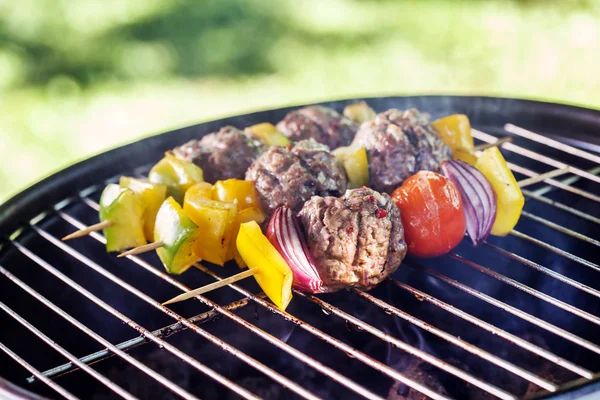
142	249
86	231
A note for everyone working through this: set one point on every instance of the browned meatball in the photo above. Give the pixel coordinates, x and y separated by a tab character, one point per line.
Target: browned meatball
323	124
356	240
288	176
222	155
398	144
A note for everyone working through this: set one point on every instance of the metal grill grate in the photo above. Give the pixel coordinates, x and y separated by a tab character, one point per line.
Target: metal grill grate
194	324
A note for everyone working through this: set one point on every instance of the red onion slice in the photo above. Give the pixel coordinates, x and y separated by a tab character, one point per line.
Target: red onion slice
479	199
285	233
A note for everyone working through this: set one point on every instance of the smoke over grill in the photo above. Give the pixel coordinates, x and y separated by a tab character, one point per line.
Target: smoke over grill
515	317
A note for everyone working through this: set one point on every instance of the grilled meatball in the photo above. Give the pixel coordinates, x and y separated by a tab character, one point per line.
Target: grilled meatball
356	240
398	144
291	175
323	124
222	155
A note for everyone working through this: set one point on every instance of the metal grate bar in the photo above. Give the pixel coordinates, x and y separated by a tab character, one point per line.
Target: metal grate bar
266	336
55	386
533	155
139	340
392	373
561	206
172	349
536	293
496	331
561	229
148	371
554	182
140	262
568	181
510	309
548	298
551	143
556	250
328	308
545	270
223	345
389	309
101	378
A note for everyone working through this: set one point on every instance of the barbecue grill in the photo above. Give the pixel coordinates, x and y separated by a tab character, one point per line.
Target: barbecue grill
515	317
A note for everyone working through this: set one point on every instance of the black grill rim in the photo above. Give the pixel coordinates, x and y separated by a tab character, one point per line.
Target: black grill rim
573	122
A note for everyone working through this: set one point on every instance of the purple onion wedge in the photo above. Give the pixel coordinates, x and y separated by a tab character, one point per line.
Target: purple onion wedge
286	234
479	199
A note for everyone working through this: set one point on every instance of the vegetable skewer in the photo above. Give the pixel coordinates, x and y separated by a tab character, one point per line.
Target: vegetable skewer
268	267
170	175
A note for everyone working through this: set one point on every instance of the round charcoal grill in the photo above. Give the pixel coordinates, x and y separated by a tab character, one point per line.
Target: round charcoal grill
516	317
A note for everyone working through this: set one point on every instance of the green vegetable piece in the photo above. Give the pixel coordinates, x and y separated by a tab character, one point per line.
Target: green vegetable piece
152	196
179	234
124	209
176	174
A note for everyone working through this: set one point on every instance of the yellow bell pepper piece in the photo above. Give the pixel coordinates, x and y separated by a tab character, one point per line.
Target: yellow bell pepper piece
359	112
509	198
179	235
356	164
178	175
151	195
216	221
455	132
274	275
469	158
268	134
236	190
124	209
202	190
247	215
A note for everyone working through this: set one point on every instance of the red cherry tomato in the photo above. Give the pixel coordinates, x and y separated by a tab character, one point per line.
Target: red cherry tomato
432	214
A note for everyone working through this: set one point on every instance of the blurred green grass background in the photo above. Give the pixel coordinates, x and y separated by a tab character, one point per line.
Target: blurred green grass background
78	77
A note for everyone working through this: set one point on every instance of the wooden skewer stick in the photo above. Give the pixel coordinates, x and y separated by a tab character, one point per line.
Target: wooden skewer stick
498	142
93	228
543	177
142	249
212	286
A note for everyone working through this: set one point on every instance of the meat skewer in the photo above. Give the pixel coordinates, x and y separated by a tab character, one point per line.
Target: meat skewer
353	240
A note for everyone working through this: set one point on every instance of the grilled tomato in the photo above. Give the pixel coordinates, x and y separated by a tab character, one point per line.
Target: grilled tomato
432	214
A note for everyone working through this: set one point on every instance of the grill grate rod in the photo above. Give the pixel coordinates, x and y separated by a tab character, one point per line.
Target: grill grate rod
389	309
349	350
148	371
489	327
544	270
496	331
533	155
94	205
551	143
330	309
555	250
172	349
215	340
439	363
39	375
510	309
536	293
567	181
555	183
560	206
163	332
266	336
561	229
392	373
101	378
